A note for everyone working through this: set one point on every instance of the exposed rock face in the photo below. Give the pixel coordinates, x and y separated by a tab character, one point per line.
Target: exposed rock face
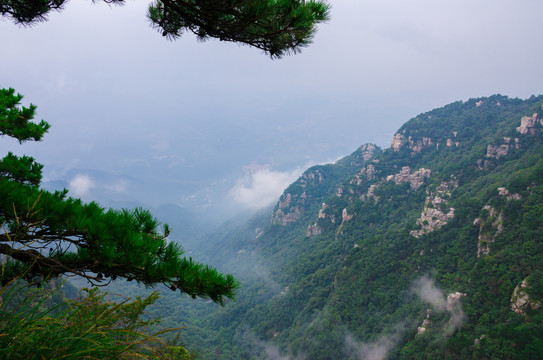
322	215
509	140
450	143
368	150
397	142
435	214
285	200
520	301
453	300
370	194
285	218
489	228
367	173
285	213
290	206
431	220
528	124
313	229
415	179
504	192
345	216
313	178
497	151
426	323
418	145
370	172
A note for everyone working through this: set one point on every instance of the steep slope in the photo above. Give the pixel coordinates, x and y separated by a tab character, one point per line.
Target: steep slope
429	249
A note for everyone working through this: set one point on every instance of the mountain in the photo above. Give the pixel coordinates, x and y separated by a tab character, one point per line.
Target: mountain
429	249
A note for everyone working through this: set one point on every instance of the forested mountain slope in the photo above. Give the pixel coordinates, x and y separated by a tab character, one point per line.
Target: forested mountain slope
429	249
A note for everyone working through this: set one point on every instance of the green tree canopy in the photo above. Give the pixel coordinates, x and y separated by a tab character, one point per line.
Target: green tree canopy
277	27
45	234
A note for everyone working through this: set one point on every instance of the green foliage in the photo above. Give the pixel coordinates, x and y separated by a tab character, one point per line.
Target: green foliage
51	234
278	27
89	327
22	170
354	279
15	121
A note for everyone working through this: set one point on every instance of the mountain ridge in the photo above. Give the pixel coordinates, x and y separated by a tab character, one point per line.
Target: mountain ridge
393	253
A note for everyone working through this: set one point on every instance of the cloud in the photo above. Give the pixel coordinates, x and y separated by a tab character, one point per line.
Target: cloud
119	186
261	186
161	145
425	288
372	351
428	292
81	184
272	352
377	349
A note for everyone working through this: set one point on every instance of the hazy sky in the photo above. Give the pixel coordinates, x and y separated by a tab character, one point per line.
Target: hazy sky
135	116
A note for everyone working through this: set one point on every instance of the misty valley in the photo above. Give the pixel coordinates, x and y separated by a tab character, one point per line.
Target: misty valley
428	249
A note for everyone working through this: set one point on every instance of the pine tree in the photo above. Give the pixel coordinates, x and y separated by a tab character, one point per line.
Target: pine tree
277	27
45	235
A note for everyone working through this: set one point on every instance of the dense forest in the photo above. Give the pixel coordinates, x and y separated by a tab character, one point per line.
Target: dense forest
429	249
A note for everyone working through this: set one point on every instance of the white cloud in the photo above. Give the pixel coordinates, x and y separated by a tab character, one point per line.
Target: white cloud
161	145
81	184
377	350
428	292
119	186
261	187
272	352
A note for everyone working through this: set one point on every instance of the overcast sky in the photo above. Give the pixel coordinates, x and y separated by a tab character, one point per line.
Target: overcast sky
135	116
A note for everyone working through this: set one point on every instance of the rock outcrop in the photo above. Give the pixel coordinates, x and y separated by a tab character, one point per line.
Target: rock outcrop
418	145
312	177
370	194
415	179
497	151
368	150
290	206
504	192
489	227
345	216
435	213
415	145
285	218
367	173
315	229
520	301
450	143
426	323
287	212
397	142
528	124
453	300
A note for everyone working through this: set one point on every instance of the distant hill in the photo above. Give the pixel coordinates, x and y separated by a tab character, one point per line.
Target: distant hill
432	248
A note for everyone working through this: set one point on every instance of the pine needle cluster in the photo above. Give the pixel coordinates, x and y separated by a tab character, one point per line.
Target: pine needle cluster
46	234
278	27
